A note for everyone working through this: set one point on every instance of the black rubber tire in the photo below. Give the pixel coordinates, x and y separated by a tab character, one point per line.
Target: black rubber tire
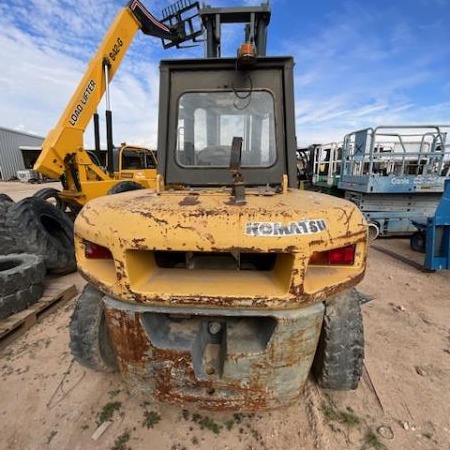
18	271
89	339
42	229
339	359
373	231
19	300
52	196
6	198
72	211
7	242
125	186
417	242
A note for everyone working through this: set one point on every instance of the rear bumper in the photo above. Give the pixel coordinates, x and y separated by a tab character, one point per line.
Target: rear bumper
218	359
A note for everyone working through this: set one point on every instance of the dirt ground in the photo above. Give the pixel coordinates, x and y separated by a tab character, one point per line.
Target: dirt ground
403	401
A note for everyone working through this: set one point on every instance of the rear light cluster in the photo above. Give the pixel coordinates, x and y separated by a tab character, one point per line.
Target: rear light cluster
343	256
95	251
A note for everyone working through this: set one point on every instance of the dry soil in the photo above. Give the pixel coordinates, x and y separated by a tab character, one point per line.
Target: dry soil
403	401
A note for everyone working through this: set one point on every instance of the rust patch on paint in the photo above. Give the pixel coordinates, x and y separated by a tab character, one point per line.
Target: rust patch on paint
159	369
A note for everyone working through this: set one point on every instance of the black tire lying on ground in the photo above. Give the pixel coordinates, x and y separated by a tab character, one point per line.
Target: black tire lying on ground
125	186
6	198
40	228
21	276
18	271
339	359
7	242
89	339
20	300
52	196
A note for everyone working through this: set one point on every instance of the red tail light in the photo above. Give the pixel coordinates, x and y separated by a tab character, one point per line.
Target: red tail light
343	256
95	251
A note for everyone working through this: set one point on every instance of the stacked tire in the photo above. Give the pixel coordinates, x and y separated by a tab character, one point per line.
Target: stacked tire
7	243
21	277
35	237
35	226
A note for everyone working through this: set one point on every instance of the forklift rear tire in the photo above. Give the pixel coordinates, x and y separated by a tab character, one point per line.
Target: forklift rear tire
125	186
89	339
339	359
417	242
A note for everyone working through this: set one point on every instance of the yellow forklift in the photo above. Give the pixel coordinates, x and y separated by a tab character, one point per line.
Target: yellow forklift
63	155
225	284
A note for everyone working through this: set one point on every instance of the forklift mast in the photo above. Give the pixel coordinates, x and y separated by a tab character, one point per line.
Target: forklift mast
256	19
66	138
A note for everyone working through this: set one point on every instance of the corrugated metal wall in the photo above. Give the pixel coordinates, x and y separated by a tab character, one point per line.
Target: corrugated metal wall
10	156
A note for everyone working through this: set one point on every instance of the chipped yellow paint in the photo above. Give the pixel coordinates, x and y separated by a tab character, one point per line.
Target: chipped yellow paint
136	224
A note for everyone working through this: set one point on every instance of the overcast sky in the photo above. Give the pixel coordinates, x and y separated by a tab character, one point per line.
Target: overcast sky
358	63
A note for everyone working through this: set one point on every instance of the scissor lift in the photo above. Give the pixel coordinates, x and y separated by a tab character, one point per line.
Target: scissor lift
395	174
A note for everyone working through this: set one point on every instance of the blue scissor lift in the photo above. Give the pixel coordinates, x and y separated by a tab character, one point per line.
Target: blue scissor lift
395	174
433	236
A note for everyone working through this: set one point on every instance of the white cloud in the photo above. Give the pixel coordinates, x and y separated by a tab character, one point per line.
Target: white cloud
39	76
366	67
361	67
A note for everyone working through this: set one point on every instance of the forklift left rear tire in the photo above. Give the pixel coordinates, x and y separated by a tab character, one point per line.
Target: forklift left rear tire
339	359
89	339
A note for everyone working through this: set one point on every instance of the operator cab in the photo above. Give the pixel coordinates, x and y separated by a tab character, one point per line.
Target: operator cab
137	158
204	104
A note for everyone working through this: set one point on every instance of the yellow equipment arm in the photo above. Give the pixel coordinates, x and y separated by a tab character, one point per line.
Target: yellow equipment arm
67	137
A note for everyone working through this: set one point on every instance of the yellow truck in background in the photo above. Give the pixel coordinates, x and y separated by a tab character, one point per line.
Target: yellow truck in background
63	155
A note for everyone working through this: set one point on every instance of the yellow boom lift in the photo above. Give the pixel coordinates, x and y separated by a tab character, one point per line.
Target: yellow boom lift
63	155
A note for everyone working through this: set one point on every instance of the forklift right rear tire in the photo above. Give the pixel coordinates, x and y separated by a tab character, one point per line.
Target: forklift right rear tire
125	186
89	339
339	359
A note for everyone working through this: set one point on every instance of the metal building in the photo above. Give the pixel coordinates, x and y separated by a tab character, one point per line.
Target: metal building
11	159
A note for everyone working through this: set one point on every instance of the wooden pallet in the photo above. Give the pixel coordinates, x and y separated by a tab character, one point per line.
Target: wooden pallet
55	295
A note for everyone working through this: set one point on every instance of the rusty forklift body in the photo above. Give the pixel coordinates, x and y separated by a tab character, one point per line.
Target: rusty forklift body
215	284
